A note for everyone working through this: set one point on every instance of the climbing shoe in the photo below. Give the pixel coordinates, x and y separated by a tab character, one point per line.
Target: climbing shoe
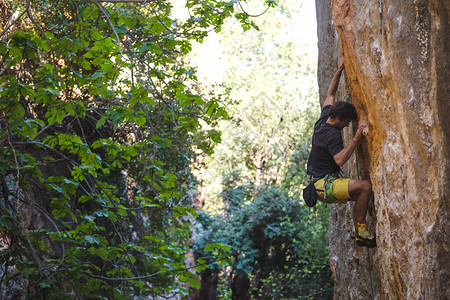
364	237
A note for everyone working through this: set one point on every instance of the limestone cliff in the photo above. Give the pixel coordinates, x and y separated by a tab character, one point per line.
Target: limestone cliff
397	66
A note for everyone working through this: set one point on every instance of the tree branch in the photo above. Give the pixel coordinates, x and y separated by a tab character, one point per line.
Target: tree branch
13	20
102	8
121	279
210	7
46	214
253	16
8	138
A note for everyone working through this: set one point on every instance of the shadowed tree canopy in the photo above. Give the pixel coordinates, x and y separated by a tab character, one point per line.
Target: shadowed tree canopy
100	123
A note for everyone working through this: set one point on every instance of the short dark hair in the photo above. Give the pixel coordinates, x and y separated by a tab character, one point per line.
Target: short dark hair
343	110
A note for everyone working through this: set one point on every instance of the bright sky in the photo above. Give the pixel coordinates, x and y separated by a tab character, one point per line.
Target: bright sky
212	63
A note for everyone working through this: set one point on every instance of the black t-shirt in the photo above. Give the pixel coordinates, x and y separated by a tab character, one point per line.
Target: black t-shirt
326	142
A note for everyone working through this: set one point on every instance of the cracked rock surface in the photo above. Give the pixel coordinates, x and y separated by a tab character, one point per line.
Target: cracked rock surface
396	55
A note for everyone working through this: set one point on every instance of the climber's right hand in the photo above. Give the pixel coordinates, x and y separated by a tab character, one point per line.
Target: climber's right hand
359	132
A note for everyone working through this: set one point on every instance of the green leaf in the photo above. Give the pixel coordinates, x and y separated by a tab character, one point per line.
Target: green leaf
92	240
14	51
44	285
122	211
52	91
98	74
55	115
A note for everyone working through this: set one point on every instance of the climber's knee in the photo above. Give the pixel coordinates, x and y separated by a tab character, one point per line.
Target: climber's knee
356	187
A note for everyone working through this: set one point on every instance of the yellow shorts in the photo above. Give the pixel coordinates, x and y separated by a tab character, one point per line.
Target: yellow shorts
339	189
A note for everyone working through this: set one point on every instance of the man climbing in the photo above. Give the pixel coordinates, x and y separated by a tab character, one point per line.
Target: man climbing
328	154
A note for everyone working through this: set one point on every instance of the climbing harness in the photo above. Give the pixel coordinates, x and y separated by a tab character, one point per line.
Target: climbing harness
328	189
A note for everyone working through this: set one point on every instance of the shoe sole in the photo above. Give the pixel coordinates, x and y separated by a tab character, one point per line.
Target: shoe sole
362	242
368	244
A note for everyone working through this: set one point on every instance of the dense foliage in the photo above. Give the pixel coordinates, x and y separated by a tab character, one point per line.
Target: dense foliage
100	122
278	250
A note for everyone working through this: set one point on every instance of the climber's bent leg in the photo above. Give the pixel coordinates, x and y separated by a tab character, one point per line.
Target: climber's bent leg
361	191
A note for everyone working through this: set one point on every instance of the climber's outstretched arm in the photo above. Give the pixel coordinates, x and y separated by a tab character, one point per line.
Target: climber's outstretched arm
331	93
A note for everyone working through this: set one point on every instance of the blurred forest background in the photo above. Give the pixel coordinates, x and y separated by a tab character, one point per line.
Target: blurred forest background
251	184
127	174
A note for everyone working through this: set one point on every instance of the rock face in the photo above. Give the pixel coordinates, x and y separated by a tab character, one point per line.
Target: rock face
398	69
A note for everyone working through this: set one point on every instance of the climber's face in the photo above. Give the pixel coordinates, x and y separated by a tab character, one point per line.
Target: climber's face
341	124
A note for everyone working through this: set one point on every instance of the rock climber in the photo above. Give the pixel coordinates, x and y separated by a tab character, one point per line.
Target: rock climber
328	154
